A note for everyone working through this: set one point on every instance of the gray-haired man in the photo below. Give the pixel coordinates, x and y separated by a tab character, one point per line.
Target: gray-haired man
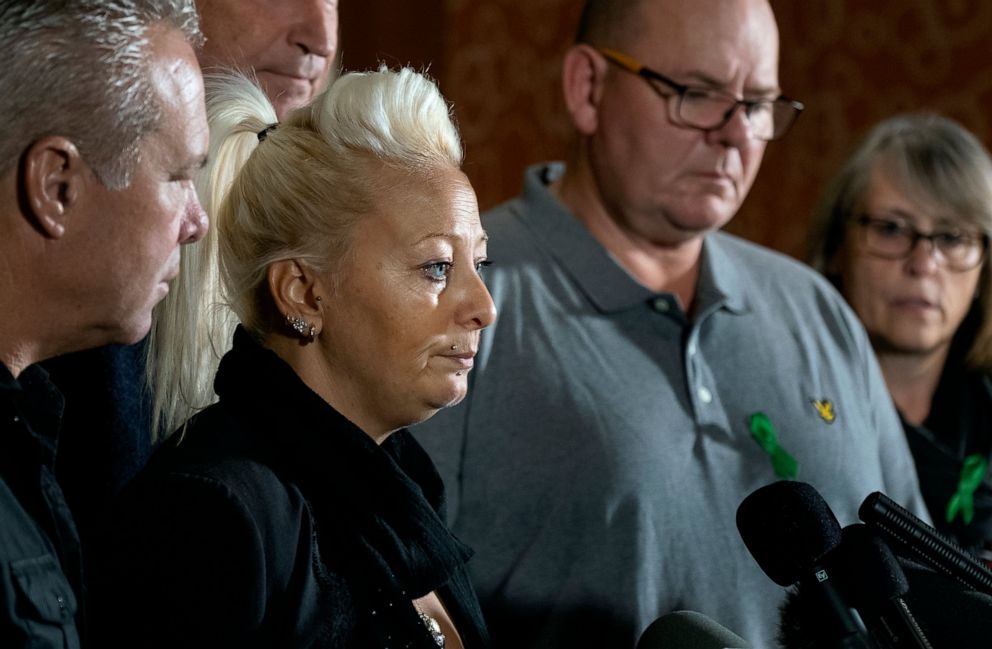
104	127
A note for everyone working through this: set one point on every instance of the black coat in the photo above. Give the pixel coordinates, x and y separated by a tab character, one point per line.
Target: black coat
276	522
959	424
40	568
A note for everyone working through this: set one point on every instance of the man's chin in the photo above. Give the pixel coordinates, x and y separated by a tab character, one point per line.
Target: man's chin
134	330
713	214
286	93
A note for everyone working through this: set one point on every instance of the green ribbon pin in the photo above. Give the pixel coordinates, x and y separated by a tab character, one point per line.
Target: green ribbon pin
784	465
963	501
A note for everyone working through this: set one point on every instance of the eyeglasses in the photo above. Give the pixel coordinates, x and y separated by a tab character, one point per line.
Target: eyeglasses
894	239
707	109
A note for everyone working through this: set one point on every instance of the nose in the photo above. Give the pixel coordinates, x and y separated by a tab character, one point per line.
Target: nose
195	222
477	309
922	258
316	28
736	131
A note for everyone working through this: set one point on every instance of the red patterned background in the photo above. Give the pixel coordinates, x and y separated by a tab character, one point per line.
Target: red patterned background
852	62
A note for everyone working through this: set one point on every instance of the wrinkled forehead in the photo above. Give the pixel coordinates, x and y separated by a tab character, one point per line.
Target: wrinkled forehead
431	201
718	40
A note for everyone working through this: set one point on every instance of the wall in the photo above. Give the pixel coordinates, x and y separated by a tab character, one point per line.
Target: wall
851	62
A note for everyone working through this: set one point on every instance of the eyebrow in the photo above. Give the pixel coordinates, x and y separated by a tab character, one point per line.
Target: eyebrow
709	81
448	235
938	221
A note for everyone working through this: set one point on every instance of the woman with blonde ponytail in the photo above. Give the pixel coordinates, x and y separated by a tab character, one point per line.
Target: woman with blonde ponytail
193	325
297	510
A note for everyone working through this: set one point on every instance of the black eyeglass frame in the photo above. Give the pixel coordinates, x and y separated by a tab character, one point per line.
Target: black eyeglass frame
632	65
865	220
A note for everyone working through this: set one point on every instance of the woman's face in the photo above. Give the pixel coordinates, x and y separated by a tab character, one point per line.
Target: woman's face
402	328
912	305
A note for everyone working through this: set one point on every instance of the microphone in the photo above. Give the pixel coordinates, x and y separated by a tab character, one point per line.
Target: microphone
876	585
688	630
923	542
789	529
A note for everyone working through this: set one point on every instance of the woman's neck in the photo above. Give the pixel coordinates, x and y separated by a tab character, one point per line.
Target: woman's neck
912	380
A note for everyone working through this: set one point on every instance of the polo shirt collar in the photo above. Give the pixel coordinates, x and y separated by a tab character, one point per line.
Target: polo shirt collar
722	283
604	281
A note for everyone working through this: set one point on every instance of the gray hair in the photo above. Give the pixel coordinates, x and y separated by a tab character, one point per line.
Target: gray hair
932	159
295	195
78	68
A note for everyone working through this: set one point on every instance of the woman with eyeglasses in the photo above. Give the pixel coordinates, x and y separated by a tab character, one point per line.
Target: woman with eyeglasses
903	231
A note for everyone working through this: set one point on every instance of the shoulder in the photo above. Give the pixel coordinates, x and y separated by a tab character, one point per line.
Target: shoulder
509	237
506	223
219	536
777	278
766	264
217	469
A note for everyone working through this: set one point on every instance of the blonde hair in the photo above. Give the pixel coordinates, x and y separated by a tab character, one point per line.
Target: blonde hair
294	195
939	163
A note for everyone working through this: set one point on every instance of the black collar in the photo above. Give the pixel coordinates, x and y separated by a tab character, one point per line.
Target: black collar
391	495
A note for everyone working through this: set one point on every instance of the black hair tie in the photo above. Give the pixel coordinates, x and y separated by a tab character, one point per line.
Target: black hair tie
264	133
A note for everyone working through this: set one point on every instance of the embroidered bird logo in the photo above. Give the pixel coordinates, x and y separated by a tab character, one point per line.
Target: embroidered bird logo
825	408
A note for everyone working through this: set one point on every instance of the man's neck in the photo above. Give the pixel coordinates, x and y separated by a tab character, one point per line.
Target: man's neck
912	380
16	357
669	268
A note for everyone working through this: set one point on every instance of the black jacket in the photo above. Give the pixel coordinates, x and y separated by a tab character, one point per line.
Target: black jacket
40	566
959	425
105	435
275	522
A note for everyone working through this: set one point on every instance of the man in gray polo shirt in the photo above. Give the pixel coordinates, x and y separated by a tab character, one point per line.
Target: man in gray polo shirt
646	372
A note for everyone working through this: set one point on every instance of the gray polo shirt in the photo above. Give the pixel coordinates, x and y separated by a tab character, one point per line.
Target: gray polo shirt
598	461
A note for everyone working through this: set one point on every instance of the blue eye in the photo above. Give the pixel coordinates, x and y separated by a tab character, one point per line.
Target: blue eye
437	271
479	265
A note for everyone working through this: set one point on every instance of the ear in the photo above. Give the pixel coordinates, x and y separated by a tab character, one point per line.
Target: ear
297	291
582	75
53	177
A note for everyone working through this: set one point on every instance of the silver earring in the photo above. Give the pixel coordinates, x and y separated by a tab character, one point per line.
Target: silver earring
299	325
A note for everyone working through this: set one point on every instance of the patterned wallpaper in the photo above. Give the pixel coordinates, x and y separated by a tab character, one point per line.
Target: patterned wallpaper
852	62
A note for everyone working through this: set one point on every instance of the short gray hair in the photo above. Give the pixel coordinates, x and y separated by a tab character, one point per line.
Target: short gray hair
78	68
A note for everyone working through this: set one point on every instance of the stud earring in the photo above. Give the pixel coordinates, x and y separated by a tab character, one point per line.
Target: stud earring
454	347
299	325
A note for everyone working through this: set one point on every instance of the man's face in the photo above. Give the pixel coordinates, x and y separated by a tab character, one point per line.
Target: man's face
664	183
289	44
127	241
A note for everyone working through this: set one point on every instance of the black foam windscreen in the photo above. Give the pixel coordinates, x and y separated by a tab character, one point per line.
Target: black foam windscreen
916	539
787	527
873	574
688	630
